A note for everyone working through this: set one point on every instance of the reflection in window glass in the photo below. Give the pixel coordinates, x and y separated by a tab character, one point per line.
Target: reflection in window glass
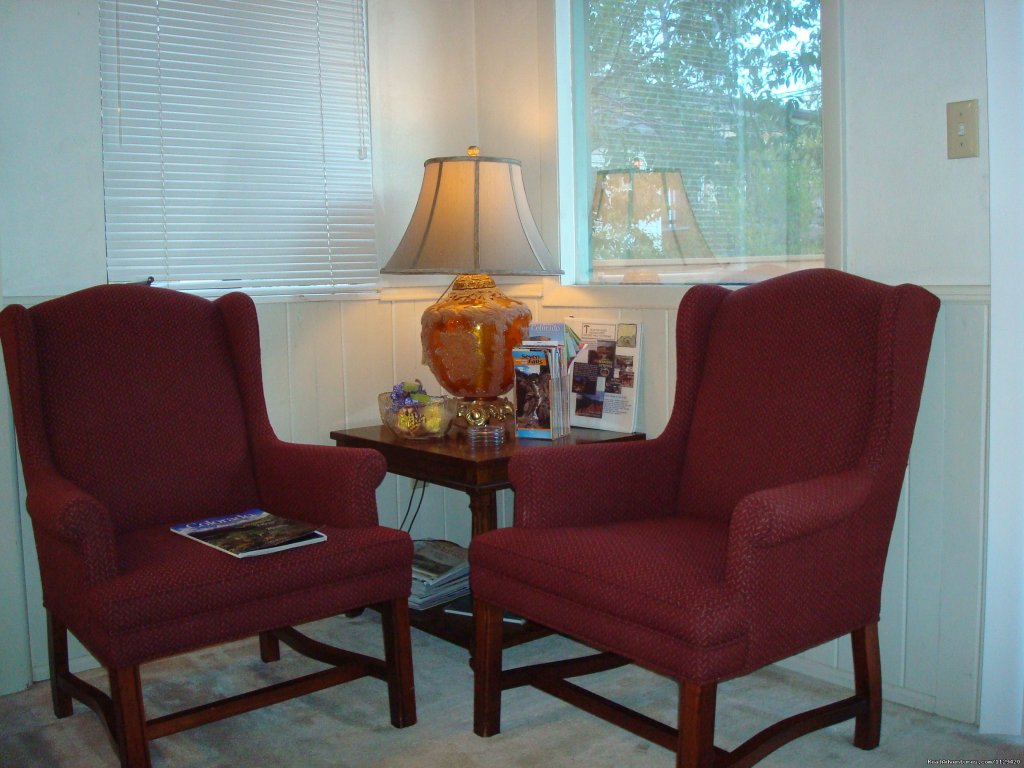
699	131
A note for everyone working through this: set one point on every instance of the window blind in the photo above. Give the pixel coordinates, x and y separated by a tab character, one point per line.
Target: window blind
236	148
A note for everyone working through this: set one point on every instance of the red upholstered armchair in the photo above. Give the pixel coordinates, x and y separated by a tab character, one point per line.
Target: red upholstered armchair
137	408
754	527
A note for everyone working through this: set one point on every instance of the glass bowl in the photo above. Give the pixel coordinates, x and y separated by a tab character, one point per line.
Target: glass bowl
420	421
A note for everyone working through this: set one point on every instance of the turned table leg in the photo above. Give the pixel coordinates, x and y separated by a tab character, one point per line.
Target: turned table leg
483	505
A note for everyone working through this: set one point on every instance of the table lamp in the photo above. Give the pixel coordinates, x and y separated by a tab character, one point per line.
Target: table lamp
472	220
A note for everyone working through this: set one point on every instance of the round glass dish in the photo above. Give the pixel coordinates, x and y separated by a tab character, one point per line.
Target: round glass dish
420	421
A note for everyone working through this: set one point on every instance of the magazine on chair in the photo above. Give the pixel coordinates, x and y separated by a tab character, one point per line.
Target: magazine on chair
250	533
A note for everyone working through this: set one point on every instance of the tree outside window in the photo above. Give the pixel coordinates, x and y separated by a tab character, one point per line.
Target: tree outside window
703	138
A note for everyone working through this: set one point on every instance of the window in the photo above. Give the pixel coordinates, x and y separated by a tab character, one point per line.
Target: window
698	139
236	145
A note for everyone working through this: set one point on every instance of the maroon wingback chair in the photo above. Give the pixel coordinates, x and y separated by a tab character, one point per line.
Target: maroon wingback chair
754	527
137	408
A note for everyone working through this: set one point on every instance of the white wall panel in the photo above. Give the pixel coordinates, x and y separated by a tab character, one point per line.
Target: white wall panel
367	366
15	666
925	484
963	511
274	344
929	630
1002	684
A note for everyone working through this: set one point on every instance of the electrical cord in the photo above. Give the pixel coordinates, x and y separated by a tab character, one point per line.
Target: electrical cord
422	485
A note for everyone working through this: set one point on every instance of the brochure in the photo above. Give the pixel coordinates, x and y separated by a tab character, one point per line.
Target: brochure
605	375
541	401
249	533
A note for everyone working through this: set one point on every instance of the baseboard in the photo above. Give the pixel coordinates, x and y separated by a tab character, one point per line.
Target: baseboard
79	663
894	693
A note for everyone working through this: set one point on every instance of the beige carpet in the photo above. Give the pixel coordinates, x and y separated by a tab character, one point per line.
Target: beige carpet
349	725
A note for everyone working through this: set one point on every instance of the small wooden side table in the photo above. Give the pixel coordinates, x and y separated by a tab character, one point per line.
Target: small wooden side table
481	473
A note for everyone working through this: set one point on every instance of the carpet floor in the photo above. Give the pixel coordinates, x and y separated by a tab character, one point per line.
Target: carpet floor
348	726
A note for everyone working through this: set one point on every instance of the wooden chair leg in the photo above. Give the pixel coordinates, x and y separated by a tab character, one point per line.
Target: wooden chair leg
487	668
398	657
129	717
867	674
270	647
696	747
57	646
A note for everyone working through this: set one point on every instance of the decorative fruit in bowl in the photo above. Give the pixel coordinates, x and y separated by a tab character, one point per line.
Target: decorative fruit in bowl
409	412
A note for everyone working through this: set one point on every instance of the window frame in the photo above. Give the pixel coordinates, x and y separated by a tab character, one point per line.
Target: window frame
574	208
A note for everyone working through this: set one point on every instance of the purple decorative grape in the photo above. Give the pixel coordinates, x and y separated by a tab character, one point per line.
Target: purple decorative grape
408	393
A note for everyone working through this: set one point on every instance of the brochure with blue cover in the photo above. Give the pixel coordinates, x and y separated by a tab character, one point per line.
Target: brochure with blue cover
249	533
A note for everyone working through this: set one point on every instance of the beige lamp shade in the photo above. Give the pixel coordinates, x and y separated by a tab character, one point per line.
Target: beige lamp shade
472	217
644	214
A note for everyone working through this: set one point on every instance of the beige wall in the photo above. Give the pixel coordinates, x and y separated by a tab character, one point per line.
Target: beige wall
447	73
911	214
422	96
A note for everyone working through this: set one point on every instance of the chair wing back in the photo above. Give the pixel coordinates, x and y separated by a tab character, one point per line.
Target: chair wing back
800	379
130	392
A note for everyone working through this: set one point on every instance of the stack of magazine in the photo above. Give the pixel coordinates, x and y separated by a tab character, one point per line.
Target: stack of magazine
542	393
440	573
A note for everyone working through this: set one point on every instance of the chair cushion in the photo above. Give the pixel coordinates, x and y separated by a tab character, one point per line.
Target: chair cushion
174	594
652	590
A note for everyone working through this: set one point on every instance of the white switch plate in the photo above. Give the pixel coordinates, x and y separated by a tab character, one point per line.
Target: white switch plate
962	129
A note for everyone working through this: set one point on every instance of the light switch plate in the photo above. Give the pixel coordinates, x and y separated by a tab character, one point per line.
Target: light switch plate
962	129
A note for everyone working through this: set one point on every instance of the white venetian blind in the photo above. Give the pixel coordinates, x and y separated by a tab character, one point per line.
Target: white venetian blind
236	145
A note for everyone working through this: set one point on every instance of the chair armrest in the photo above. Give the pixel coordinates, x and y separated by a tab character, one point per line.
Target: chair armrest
807	559
783	539
593	484
64	511
320	484
777	515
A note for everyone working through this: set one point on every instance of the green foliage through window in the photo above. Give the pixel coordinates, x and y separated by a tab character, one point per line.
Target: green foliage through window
729	95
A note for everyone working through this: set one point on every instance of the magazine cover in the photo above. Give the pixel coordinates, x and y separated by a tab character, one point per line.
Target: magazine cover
253	532
541	392
435	561
605	375
533	392
440	572
560	333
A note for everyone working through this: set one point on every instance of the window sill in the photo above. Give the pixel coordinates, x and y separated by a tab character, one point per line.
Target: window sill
612	296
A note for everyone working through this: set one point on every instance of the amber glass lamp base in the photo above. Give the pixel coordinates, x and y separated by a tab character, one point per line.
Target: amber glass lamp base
468	336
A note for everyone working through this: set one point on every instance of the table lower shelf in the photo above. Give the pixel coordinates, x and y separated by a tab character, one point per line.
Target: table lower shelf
459	629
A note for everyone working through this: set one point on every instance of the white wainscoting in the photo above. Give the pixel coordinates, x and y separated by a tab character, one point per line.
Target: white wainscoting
930	629
325	361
